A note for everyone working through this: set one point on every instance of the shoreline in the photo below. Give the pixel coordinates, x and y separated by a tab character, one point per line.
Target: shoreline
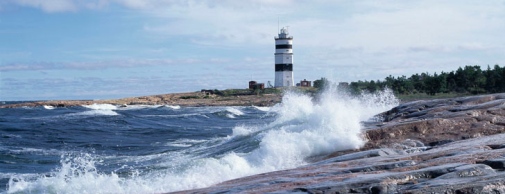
416	147
453	145
195	99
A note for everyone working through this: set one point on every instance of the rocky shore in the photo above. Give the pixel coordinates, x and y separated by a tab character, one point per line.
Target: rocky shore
179	99
454	145
428	146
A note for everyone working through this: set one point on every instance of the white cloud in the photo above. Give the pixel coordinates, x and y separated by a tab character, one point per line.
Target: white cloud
370	24
49	5
96	65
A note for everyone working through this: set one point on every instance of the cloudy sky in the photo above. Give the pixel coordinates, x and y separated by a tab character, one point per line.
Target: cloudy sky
99	49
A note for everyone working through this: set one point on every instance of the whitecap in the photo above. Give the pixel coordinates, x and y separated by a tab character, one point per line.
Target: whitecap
262	108
184	142
137	107
178	145
101	106
174	107
36	151
48	107
95	113
243	130
234	111
97	109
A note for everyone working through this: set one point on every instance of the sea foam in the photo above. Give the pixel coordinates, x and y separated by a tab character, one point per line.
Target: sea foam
232	112
101	107
303	127
48	107
98	109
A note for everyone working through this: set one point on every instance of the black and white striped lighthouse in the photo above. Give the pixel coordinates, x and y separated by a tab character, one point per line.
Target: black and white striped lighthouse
283	59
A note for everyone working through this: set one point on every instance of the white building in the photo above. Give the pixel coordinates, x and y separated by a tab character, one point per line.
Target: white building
284	59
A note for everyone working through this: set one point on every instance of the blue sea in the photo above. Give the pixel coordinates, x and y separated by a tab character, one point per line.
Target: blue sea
102	148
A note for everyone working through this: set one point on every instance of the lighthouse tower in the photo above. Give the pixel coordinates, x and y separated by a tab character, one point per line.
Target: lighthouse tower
283	59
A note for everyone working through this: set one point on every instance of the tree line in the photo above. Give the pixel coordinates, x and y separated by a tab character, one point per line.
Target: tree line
469	79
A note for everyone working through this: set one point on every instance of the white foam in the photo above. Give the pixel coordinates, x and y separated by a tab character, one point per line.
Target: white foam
262	108
184	142
302	129
97	109
94	113
101	106
136	107
76	175
174	107
183	145
48	107
234	111
36	151
243	130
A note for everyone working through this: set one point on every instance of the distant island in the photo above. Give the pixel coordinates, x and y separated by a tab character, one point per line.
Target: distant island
231	97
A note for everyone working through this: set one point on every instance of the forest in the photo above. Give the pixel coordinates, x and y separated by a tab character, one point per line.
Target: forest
466	80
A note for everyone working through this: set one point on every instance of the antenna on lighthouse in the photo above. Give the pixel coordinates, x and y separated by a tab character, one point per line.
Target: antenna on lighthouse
278	28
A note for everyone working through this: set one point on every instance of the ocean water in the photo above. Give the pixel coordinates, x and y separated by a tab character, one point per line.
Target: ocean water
103	148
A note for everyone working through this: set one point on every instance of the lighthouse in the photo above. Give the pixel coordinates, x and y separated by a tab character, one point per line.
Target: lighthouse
283	59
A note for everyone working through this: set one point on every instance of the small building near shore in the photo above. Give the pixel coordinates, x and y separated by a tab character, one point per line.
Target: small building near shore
253	85
305	83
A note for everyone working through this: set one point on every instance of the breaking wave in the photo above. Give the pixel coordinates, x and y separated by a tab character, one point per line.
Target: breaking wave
98	109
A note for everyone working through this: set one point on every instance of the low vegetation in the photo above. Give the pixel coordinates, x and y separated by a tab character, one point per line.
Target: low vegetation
240	92
467	80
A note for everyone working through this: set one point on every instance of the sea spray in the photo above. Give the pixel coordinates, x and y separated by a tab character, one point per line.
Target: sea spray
303	127
76	174
306	127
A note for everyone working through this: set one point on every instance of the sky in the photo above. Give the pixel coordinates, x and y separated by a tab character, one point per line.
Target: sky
104	49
